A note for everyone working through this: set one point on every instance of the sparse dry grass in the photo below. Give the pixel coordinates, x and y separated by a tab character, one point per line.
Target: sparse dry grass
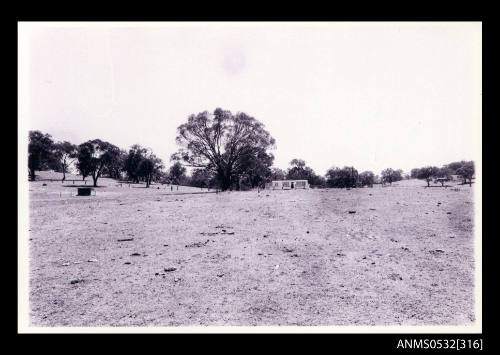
243	258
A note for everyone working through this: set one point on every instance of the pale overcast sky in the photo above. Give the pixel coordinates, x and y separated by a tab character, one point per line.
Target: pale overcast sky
373	95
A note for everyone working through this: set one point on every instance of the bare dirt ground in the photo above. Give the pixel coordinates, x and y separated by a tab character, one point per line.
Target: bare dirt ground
131	256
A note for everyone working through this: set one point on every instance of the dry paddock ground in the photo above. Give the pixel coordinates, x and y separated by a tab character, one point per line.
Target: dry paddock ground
244	258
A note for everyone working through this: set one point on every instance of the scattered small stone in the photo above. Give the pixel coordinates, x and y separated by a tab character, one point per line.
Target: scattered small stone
126	240
92	260
294	255
340	254
287	250
220	275
197	244
448	212
127	263
135	254
405	249
437	251
373	263
434	285
65	264
351	212
165	245
395	277
77	262
307	232
75	281
177	279
170	269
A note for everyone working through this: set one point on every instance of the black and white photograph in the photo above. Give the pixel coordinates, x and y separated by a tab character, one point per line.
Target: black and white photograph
250	176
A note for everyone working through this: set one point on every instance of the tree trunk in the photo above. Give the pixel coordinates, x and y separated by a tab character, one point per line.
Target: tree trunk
32	174
225	183
94	178
64	175
225	179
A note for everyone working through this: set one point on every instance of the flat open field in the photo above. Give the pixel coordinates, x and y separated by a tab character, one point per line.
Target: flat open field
247	258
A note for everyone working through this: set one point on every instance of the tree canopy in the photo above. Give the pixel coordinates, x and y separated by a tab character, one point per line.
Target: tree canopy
134	157
177	173
223	143
94	156
466	171
40	148
390	175
278	174
341	178
366	178
65	153
300	171
427	173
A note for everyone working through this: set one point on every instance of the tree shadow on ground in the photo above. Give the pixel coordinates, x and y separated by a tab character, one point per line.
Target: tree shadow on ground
91	186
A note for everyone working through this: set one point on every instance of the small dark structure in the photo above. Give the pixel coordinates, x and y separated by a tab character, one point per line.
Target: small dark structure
84	191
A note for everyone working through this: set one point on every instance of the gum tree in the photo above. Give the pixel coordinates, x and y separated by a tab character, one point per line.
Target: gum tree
466	171
94	156
40	149
221	142
428	173
367	178
65	154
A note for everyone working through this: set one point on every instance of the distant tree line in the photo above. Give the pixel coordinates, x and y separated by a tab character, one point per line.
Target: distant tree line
224	150
94	158
464	169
